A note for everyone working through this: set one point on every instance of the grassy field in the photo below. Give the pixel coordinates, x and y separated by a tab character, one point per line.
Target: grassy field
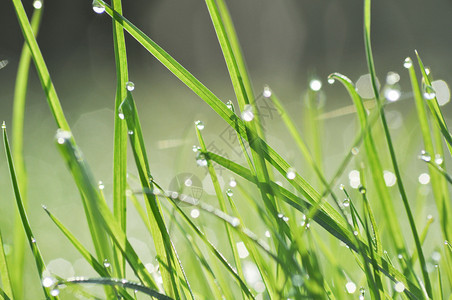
271	211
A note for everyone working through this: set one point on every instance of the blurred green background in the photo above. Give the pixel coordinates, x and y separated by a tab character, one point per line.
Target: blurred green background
286	43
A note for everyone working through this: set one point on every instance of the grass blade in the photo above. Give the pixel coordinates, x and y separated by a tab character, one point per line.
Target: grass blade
120	136
370	63
23	215
4	273
162	240
20	93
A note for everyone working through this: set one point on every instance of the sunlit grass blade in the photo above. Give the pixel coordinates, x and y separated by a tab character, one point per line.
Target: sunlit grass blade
162	241
121	283
7	290
98	209
20	93
399	181
97	266
43	72
120	135
23	215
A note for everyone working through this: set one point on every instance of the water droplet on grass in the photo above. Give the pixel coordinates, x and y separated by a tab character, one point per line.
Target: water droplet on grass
37	4
107	264
291	174
201	159
48	282
247	113
315	85
342	187
350	287
199	124
229	192
267	233
3	125
195	148
438	159
130	132
242	251
425	156
392	93
101	185
33	240
399	287
230	105
331	80
429	92
407	63
390	178
55	292
232	183
362	189
267	92
194	213
98	7
62	136
235	222
130	86
346	202
355	150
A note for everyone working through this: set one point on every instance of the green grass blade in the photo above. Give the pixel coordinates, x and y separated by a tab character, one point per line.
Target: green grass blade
120	136
97	208
441	195
162	240
41	67
23	215
117	283
97	266
20	93
370	63
4	272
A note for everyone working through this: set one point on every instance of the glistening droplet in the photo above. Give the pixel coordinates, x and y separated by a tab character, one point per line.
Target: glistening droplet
247	113
98	7
130	86
407	63
429	92
200	125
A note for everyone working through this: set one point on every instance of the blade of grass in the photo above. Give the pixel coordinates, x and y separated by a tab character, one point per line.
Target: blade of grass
20	93
97	208
371	66
162	240
97	266
23	215
120	135
4	272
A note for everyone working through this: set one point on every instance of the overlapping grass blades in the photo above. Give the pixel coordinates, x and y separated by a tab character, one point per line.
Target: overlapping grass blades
23	215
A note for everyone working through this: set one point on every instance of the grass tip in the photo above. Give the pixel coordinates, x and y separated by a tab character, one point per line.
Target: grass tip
3	125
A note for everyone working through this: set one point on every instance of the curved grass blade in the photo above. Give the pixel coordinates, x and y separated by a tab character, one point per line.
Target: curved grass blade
123	283
97	208
120	136
370	63
20	93
23	215
7	291
97	266
162	240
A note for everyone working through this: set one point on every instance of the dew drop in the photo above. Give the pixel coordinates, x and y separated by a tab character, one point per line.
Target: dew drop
62	136
267	233
425	156
230	105
201	159
101	185
355	233
55	292
346	202
247	113
342	187
331	80
37	4
232	183
121	115
362	189
427	70
130	132
355	150
242	251
267	92
33	240
195	148
399	287
350	287
436	256
229	192
98	7
48	282
194	213
315	85
438	159
3	125
188	182
429	92
407	63
235	222
130	86
390	178
362	291
291	174
200	125
106	264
